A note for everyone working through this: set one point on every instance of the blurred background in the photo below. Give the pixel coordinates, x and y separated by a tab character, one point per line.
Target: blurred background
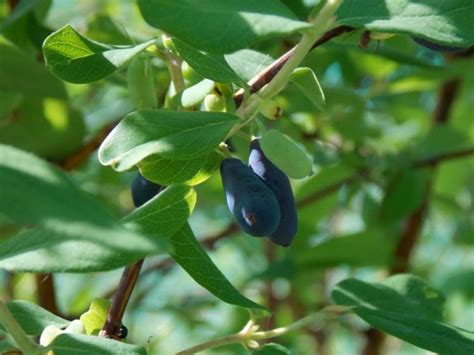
373	179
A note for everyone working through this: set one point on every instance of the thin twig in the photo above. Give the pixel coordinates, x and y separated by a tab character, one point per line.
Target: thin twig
432	161
265	76
46	292
82	155
120	300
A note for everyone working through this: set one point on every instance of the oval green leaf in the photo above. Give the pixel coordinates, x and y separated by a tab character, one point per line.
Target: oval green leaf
77	59
286	154
224	26
189	172
172	135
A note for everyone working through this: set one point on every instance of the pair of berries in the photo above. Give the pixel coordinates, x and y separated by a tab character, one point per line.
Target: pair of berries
260	197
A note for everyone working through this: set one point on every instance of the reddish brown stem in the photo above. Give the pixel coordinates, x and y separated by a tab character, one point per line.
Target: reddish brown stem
46	292
265	76
82	155
120	300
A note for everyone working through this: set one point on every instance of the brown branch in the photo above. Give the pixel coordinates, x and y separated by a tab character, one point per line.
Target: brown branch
46	292
265	76
82	155
120	300
411	232
432	161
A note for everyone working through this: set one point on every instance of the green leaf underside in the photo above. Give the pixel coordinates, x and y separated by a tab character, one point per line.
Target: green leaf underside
195	94
37	250
448	22
79	344
189	254
224	26
172	135
406	307
95	317
77	59
247	63
40	194
286	154
307	82
189	172
32	318
210	65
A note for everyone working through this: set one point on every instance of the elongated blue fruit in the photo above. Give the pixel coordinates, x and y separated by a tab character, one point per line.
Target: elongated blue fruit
143	190
279	183
438	47
252	203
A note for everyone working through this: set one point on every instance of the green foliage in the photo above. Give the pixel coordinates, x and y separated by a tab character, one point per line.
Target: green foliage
94	318
32	318
167	133
408	308
224	26
447	23
377	137
67	52
75	344
191	257
308	83
285	154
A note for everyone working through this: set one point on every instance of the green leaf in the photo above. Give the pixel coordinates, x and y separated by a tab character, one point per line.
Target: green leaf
406	307
32	318
448	22
36	250
48	127
20	10
404	195
189	254
40	251
79	344
272	349
195	94
284	153
95	317
360	249
40	194
6	346
189	172
307	82
165	214
141	84
209	65
247	63
224	26
77	59
173	135
21	73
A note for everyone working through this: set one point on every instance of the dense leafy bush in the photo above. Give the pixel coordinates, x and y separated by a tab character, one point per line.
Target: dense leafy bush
343	130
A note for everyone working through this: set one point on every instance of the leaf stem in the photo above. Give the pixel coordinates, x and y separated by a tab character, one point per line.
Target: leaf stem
323	21
26	345
249	335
